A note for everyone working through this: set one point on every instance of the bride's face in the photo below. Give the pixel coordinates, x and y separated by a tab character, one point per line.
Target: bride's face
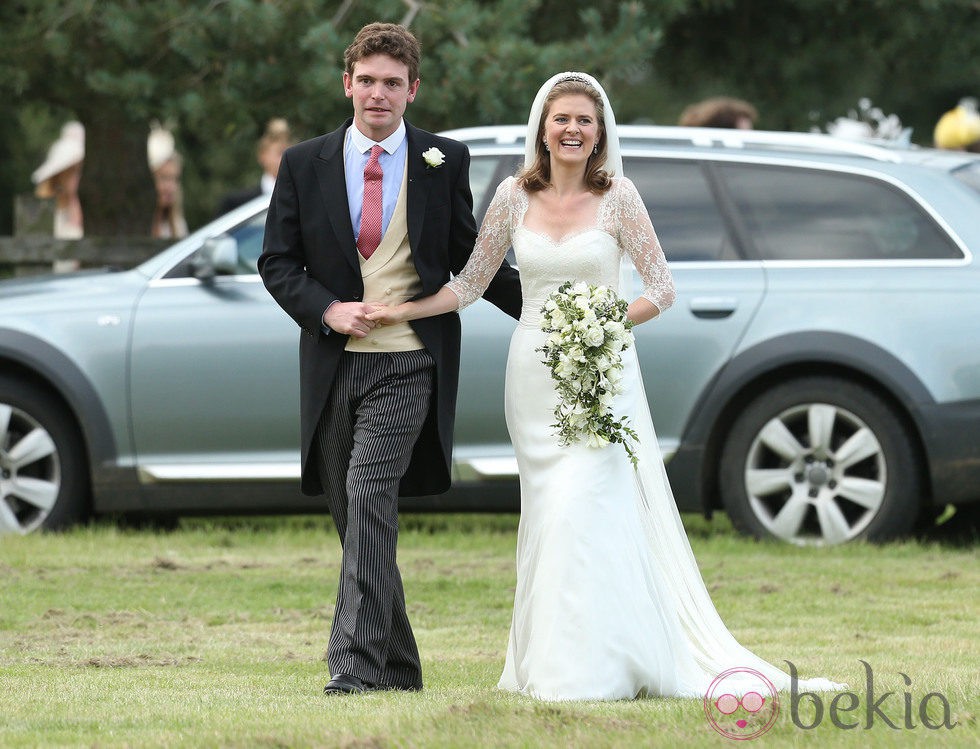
571	129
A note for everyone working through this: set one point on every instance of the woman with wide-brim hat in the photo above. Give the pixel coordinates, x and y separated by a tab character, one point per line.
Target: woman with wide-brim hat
58	178
166	165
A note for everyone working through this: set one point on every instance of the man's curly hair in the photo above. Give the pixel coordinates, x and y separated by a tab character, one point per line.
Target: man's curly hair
385	39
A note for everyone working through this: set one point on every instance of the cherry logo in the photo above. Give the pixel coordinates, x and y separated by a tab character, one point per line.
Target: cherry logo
741	704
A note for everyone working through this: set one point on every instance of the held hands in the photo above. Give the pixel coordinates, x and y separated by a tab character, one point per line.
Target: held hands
383	315
351	318
443	301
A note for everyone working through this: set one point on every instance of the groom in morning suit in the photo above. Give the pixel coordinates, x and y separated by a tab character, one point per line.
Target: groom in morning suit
359	218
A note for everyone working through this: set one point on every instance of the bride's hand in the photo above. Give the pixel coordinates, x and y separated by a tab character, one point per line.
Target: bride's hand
385	315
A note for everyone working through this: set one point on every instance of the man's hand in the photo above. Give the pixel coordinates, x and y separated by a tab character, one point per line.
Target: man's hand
350	318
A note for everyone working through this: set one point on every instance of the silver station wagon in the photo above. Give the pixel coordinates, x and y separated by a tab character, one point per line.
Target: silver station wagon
818	378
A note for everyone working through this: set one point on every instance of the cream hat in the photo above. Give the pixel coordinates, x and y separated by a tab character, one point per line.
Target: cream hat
64	153
959	127
159	146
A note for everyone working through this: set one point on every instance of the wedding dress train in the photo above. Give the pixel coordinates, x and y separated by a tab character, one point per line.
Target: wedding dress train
609	603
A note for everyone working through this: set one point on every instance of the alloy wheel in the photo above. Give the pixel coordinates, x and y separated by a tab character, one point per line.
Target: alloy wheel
815	473
30	472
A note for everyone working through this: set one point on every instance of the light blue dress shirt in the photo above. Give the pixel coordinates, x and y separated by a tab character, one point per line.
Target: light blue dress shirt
357	152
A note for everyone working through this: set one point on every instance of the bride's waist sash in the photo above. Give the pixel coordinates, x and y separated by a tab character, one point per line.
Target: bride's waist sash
531	312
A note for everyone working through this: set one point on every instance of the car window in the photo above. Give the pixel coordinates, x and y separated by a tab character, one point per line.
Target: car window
809	214
248	237
682	207
486	172
482	171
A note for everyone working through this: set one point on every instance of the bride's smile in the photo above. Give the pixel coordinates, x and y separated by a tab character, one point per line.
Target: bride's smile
572	128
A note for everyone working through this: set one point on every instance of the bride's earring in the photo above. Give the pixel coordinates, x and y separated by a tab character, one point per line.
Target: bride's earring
595	148
546	146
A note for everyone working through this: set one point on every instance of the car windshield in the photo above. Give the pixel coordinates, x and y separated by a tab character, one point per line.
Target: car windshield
969	175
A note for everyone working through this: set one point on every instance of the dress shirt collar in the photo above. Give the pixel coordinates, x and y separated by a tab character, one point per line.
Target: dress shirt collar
390	144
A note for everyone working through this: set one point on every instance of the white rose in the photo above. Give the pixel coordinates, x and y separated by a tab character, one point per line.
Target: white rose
594	336
565	370
614	328
434	157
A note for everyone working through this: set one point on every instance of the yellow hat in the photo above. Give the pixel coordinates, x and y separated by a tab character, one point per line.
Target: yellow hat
957	129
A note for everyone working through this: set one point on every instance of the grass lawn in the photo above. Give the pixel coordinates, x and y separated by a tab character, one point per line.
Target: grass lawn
214	635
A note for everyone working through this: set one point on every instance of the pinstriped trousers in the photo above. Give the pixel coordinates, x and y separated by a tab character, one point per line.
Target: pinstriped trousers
365	437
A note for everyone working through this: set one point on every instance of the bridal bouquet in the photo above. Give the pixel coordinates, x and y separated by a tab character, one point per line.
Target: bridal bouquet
587	332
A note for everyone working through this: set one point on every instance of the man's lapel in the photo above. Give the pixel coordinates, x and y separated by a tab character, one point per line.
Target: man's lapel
329	167
418	182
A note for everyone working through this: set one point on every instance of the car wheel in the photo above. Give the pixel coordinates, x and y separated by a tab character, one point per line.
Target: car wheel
820	460
43	477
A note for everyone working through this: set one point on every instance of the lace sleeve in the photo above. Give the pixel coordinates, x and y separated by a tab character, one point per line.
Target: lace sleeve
491	246
638	238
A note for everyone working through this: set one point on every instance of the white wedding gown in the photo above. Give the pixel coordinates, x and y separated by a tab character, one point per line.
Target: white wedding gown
610	603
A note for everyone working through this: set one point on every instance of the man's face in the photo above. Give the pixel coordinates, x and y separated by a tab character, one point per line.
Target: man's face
270	156
380	90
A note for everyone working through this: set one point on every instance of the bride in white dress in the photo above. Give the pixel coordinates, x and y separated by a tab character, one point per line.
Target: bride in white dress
610	603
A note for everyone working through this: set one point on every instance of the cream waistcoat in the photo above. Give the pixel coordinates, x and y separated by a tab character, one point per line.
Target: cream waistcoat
390	277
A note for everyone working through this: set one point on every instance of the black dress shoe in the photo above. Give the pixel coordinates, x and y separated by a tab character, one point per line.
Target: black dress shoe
346	684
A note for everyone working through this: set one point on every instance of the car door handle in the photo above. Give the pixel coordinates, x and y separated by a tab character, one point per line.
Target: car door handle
713	307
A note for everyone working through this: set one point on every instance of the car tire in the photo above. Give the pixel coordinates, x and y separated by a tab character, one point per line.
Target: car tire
43	471
820	460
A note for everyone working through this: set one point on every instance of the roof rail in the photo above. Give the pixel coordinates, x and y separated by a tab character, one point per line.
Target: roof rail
703	137
707	137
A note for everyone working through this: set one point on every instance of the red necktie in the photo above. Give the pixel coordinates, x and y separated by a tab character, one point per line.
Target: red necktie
370	235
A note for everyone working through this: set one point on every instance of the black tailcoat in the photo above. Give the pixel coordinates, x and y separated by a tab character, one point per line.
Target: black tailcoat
310	259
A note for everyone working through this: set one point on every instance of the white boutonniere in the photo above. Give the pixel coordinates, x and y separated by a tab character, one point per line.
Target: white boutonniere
434	157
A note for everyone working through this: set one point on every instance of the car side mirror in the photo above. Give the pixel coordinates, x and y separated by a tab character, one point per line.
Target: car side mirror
218	256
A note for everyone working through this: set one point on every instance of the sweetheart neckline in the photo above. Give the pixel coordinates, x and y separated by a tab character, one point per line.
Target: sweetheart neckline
567	237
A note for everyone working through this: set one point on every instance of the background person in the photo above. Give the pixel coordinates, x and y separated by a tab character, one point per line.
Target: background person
58	178
276	139
166	166
720	111
959	128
